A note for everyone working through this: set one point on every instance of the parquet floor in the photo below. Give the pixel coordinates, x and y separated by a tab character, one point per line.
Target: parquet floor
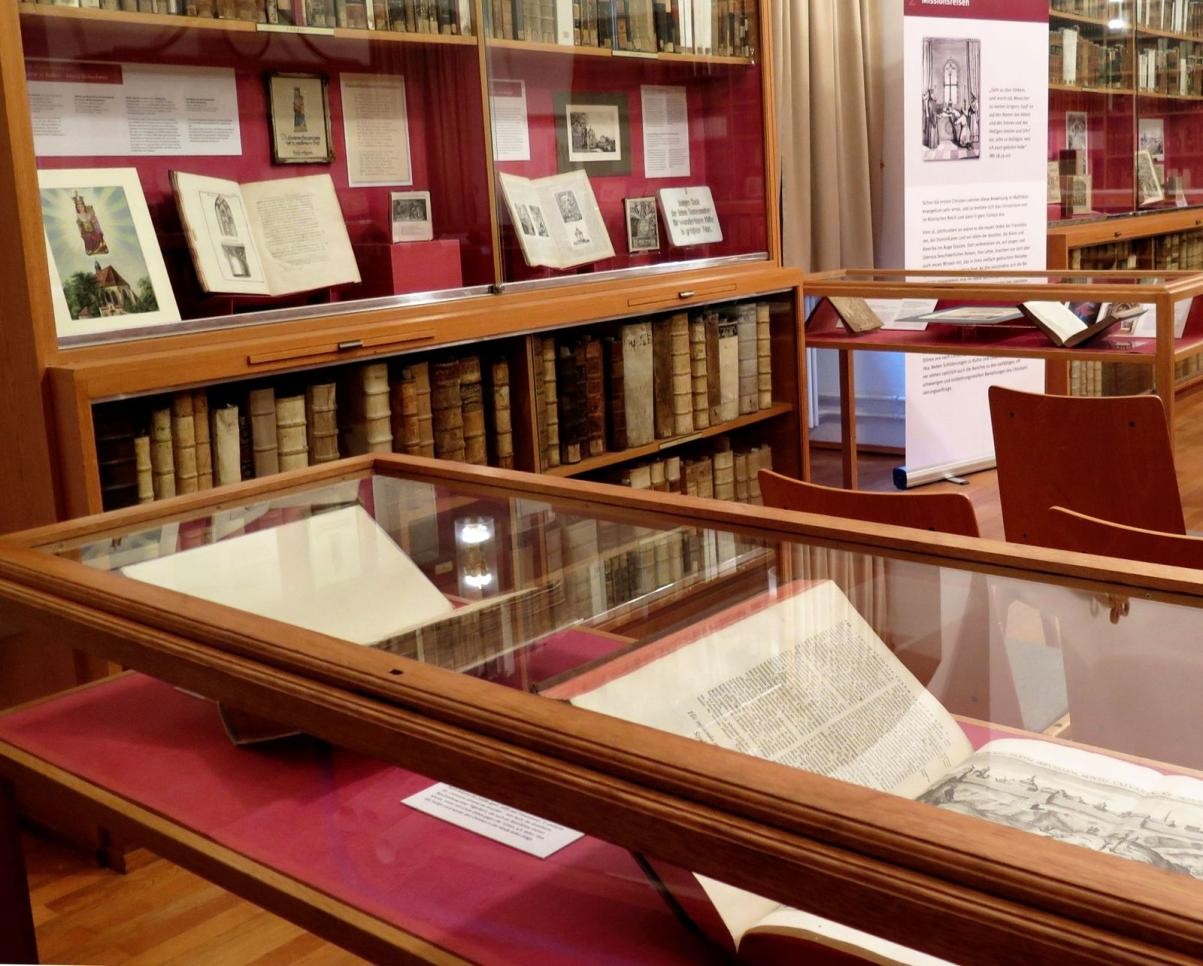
158	913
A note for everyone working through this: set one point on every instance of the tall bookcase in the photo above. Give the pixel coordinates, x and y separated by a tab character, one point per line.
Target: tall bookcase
649	101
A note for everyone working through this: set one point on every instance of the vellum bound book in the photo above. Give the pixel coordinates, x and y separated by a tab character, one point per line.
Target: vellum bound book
556	219
899	739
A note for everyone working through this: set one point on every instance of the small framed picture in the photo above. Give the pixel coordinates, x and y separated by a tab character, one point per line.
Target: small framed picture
593	132
299	109
643	227
409	212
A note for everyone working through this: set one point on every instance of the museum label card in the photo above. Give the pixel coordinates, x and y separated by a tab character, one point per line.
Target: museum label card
690	216
509	826
665	132
507	106
376	130
86	109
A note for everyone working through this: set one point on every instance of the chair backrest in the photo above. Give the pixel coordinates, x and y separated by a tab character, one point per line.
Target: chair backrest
1077	531
1106	456
942	512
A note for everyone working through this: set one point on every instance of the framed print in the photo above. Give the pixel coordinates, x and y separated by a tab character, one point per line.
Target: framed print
593	132
299	109
1077	132
106	269
409	214
643	228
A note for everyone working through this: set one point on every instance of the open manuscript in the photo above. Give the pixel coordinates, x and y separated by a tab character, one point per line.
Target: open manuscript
800	678
556	219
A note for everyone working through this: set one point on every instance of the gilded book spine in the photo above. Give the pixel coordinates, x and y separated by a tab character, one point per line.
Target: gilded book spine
183	442
503	428
551	456
227	447
662	378
572	415
472	400
204	442
321	422
595	397
682	378
264	442
246	449
697	373
447	406
764	358
144	468
290	433
746	335
162	458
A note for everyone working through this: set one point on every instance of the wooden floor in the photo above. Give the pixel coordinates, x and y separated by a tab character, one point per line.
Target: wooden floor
158	913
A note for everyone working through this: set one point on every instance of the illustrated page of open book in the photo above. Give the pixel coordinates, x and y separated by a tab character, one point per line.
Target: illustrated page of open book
556	219
219	235
337	573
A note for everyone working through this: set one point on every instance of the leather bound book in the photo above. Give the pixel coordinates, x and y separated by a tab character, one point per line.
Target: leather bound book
146	477
682	375
662	378
246	450
540	403
697	373
183	442
447	408
570	384
638	367
764	357
672	475
741	476
503	426
291	439
264	442
551	398
616	400
227	447
746	335
368	419
162	459
321	422
204	442
659	477
473	402
728	368
706	477
421	372
713	377
403	411
116	456
724	470
595	396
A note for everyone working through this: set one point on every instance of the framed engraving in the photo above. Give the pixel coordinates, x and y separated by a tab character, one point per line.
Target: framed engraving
643	227
409	214
593	132
299	110
1077	131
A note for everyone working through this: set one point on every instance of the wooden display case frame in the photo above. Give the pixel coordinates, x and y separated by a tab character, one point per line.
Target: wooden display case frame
946	883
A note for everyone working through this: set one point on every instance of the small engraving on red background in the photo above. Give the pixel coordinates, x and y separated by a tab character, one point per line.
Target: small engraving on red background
68	72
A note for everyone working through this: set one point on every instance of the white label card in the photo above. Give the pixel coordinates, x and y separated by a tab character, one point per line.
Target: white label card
690	216
509	826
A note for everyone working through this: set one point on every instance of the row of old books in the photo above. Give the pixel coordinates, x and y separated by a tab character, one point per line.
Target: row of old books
1171	67
723	473
409	16
718	27
649	380
1174	16
193	440
1076	60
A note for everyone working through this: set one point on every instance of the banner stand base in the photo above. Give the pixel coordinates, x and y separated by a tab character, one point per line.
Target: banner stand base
906	477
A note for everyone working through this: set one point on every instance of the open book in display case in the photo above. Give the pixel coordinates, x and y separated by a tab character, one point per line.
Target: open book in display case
209	192
861	722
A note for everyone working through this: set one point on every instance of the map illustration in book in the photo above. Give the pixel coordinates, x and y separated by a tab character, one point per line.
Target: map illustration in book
556	219
799	677
266	237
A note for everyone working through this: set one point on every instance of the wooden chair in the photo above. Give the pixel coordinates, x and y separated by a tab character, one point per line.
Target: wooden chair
942	512
1132	671
1077	531
938	622
1104	456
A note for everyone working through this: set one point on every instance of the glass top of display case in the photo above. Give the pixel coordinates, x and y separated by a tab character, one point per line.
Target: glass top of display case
827	657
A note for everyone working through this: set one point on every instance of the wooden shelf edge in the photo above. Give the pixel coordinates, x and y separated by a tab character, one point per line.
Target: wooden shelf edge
673	442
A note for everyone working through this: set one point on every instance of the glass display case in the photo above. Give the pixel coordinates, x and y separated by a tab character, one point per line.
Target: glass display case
942	741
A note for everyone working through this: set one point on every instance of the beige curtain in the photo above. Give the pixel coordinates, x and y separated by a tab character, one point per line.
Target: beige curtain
829	99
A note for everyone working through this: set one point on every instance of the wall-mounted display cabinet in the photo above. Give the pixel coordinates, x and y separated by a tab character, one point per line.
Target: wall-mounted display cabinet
232	197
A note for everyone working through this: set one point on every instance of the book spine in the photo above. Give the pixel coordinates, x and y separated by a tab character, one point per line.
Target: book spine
764	357
741	476
573	418
503	429
536	349
662	378
638	369
162	458
264	440
728	369
377	417
724	470
746	335
697	373
472	400
144	469
616	416
225	430
321	422
682	378
292	442
403	411
183	443
595	396
713	376
116	456
552	401
204	444
246	450
448	412
421	371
